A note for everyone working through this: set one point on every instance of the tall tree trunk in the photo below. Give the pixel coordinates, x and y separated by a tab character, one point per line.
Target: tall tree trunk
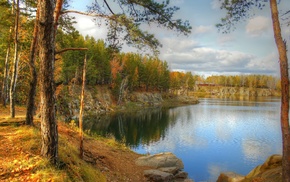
281	45
46	42
81	110
5	85
33	82
6	72
56	14
15	62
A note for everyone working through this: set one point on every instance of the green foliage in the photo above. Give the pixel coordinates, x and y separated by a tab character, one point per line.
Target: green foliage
142	72
125	24
237	11
98	66
251	81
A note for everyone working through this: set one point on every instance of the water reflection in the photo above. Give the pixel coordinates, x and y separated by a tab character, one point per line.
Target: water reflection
213	136
134	129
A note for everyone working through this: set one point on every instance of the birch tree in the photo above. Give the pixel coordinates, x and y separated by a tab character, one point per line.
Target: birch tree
15	62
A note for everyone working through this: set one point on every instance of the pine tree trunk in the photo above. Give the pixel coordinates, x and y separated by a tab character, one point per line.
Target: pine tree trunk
33	82
281	45
81	110
46	46
15	63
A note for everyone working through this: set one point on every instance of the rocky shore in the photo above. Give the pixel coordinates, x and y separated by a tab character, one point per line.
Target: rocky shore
165	167
269	171
99	100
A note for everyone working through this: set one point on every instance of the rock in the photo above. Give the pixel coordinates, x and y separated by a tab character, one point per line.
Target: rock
270	170
188	180
230	177
181	175
160	161
172	170
157	176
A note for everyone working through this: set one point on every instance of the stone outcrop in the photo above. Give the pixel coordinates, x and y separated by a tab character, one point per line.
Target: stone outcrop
166	168
237	91
147	99
230	177
98	100
269	171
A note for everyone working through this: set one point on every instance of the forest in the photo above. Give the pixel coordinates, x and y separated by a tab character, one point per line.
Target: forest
40	50
105	66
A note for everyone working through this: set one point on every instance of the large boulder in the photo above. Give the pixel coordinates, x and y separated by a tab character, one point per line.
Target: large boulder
162	160
157	176
166	167
269	171
230	177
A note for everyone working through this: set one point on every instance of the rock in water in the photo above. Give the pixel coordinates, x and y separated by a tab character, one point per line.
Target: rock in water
230	177
162	160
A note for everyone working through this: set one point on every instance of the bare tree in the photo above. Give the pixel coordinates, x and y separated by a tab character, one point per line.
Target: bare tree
81	110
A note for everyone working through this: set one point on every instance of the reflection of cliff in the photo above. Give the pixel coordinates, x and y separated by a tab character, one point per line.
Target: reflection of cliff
133	128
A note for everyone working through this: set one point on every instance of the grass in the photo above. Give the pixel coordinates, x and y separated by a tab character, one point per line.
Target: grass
20	159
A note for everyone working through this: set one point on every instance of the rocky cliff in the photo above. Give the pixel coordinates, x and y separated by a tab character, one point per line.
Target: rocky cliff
235	91
99	100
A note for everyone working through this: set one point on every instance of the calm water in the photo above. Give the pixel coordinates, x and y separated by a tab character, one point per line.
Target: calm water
214	136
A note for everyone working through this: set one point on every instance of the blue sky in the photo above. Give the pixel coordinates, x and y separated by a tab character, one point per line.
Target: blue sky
250	49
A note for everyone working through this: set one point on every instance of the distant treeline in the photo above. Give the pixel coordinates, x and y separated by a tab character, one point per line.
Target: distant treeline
250	81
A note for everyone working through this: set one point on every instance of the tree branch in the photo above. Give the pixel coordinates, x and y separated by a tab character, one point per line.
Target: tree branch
109	7
87	14
70	49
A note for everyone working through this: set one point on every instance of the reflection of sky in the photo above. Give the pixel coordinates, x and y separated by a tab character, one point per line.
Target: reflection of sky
219	135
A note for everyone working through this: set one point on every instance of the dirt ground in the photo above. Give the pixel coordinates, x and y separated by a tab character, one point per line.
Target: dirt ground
115	161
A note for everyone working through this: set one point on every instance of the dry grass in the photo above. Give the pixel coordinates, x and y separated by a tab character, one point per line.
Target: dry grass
20	160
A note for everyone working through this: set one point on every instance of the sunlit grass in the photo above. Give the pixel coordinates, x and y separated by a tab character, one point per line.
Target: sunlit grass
23	162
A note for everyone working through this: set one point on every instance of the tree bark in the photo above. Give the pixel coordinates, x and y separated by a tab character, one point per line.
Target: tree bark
46	42
6	72
81	110
33	82
5	85
15	62
281	45
56	14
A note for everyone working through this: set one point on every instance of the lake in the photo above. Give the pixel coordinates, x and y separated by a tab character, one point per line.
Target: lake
213	136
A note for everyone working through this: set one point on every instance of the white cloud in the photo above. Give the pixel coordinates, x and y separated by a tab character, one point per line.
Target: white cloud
225	39
86	26
178	44
258	26
268	63
206	59
202	29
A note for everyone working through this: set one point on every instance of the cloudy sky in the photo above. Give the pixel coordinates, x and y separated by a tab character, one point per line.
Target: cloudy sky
250	49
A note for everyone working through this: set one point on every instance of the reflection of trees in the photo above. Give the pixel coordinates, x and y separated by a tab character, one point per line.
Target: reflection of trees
142	127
